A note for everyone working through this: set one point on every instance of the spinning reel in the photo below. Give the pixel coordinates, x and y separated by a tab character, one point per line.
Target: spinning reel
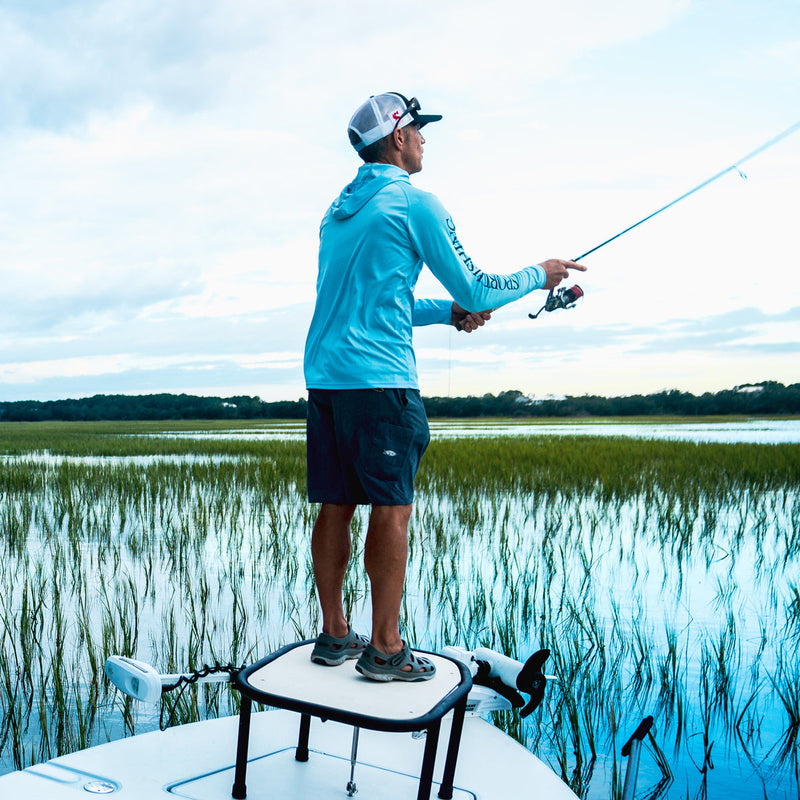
563	298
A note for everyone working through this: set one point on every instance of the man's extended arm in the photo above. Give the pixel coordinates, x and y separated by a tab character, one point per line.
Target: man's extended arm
434	236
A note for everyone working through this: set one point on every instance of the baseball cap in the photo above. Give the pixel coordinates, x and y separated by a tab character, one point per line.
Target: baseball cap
381	114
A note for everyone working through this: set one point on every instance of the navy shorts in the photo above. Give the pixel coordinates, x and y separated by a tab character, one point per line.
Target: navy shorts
364	445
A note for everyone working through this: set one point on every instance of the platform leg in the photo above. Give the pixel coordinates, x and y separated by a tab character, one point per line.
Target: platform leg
239	791
428	760
351	784
446	789
301	754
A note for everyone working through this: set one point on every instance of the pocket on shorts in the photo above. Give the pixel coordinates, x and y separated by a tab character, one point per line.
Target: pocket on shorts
384	449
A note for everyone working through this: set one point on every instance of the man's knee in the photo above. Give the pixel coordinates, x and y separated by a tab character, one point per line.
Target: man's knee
390	516
334	513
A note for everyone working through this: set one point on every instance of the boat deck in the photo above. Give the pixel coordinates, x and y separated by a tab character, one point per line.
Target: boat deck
197	762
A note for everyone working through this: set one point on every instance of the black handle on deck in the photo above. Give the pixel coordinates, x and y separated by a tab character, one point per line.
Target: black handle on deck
638	734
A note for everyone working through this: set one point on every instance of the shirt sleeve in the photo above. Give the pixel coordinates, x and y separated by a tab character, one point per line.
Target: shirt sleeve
433	234
432	312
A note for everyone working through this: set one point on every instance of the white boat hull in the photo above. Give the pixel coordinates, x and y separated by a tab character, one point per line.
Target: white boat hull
196	761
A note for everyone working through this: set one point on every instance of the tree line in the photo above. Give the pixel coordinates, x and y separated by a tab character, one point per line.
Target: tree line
769	397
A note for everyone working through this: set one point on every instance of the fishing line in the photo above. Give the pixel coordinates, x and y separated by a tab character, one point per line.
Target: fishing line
731	168
566	298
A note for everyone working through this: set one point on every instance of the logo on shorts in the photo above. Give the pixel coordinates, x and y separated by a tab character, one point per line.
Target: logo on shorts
390	453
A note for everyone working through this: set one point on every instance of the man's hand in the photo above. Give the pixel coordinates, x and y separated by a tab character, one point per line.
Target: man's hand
556	270
468	321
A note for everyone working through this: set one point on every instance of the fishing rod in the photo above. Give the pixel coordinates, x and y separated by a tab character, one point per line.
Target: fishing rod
566	298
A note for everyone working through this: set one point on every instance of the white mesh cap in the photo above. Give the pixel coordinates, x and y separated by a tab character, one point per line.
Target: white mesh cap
381	114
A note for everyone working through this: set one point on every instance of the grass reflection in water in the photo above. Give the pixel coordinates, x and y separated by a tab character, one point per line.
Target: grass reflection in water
662	575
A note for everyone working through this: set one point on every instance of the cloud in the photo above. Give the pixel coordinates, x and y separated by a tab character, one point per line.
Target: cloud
73	59
277	379
560	357
202	351
741	330
190	56
166	166
253	354
776	61
80	309
140	210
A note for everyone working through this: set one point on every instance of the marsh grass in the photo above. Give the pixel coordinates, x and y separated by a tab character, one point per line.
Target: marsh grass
661	575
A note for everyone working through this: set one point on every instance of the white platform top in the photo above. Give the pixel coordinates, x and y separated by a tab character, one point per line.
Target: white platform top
293	676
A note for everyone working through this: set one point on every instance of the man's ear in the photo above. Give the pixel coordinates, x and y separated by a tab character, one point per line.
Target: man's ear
398	138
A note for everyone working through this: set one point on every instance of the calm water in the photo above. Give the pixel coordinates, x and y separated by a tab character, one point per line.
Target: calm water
751	431
686	606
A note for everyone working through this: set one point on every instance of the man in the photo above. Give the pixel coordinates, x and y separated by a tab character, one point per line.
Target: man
367	428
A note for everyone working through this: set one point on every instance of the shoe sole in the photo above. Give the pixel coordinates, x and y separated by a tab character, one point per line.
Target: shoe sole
333	662
328	662
385	677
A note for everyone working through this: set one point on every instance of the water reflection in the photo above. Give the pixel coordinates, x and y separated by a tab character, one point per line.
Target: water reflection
664	579
755	431
53	459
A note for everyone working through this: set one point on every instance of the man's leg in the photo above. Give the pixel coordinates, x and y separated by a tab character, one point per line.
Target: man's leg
385	557
330	552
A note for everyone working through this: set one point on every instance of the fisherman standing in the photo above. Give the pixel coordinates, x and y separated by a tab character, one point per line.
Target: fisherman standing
367	428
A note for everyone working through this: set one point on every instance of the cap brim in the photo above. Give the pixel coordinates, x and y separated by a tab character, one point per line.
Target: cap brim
424	119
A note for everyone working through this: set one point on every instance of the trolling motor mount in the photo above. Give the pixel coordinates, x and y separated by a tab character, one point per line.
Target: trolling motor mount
563	298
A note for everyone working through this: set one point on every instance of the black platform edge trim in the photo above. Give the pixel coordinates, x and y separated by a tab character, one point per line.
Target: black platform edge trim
447	703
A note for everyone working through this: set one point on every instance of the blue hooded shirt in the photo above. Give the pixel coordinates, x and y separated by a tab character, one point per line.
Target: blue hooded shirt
374	240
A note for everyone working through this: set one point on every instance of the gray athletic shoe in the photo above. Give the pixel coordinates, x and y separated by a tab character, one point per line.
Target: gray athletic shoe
331	652
392	667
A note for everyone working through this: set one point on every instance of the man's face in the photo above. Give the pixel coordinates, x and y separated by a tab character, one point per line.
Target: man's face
411	153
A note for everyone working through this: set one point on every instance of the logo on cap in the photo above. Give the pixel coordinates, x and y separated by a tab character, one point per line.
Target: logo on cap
396	115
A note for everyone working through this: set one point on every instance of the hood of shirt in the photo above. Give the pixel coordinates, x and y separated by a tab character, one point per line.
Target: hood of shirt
369	180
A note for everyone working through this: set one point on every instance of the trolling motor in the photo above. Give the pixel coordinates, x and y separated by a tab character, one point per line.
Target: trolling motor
563	298
143	682
504	678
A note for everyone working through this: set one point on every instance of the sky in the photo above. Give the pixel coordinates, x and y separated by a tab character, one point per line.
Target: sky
164	167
